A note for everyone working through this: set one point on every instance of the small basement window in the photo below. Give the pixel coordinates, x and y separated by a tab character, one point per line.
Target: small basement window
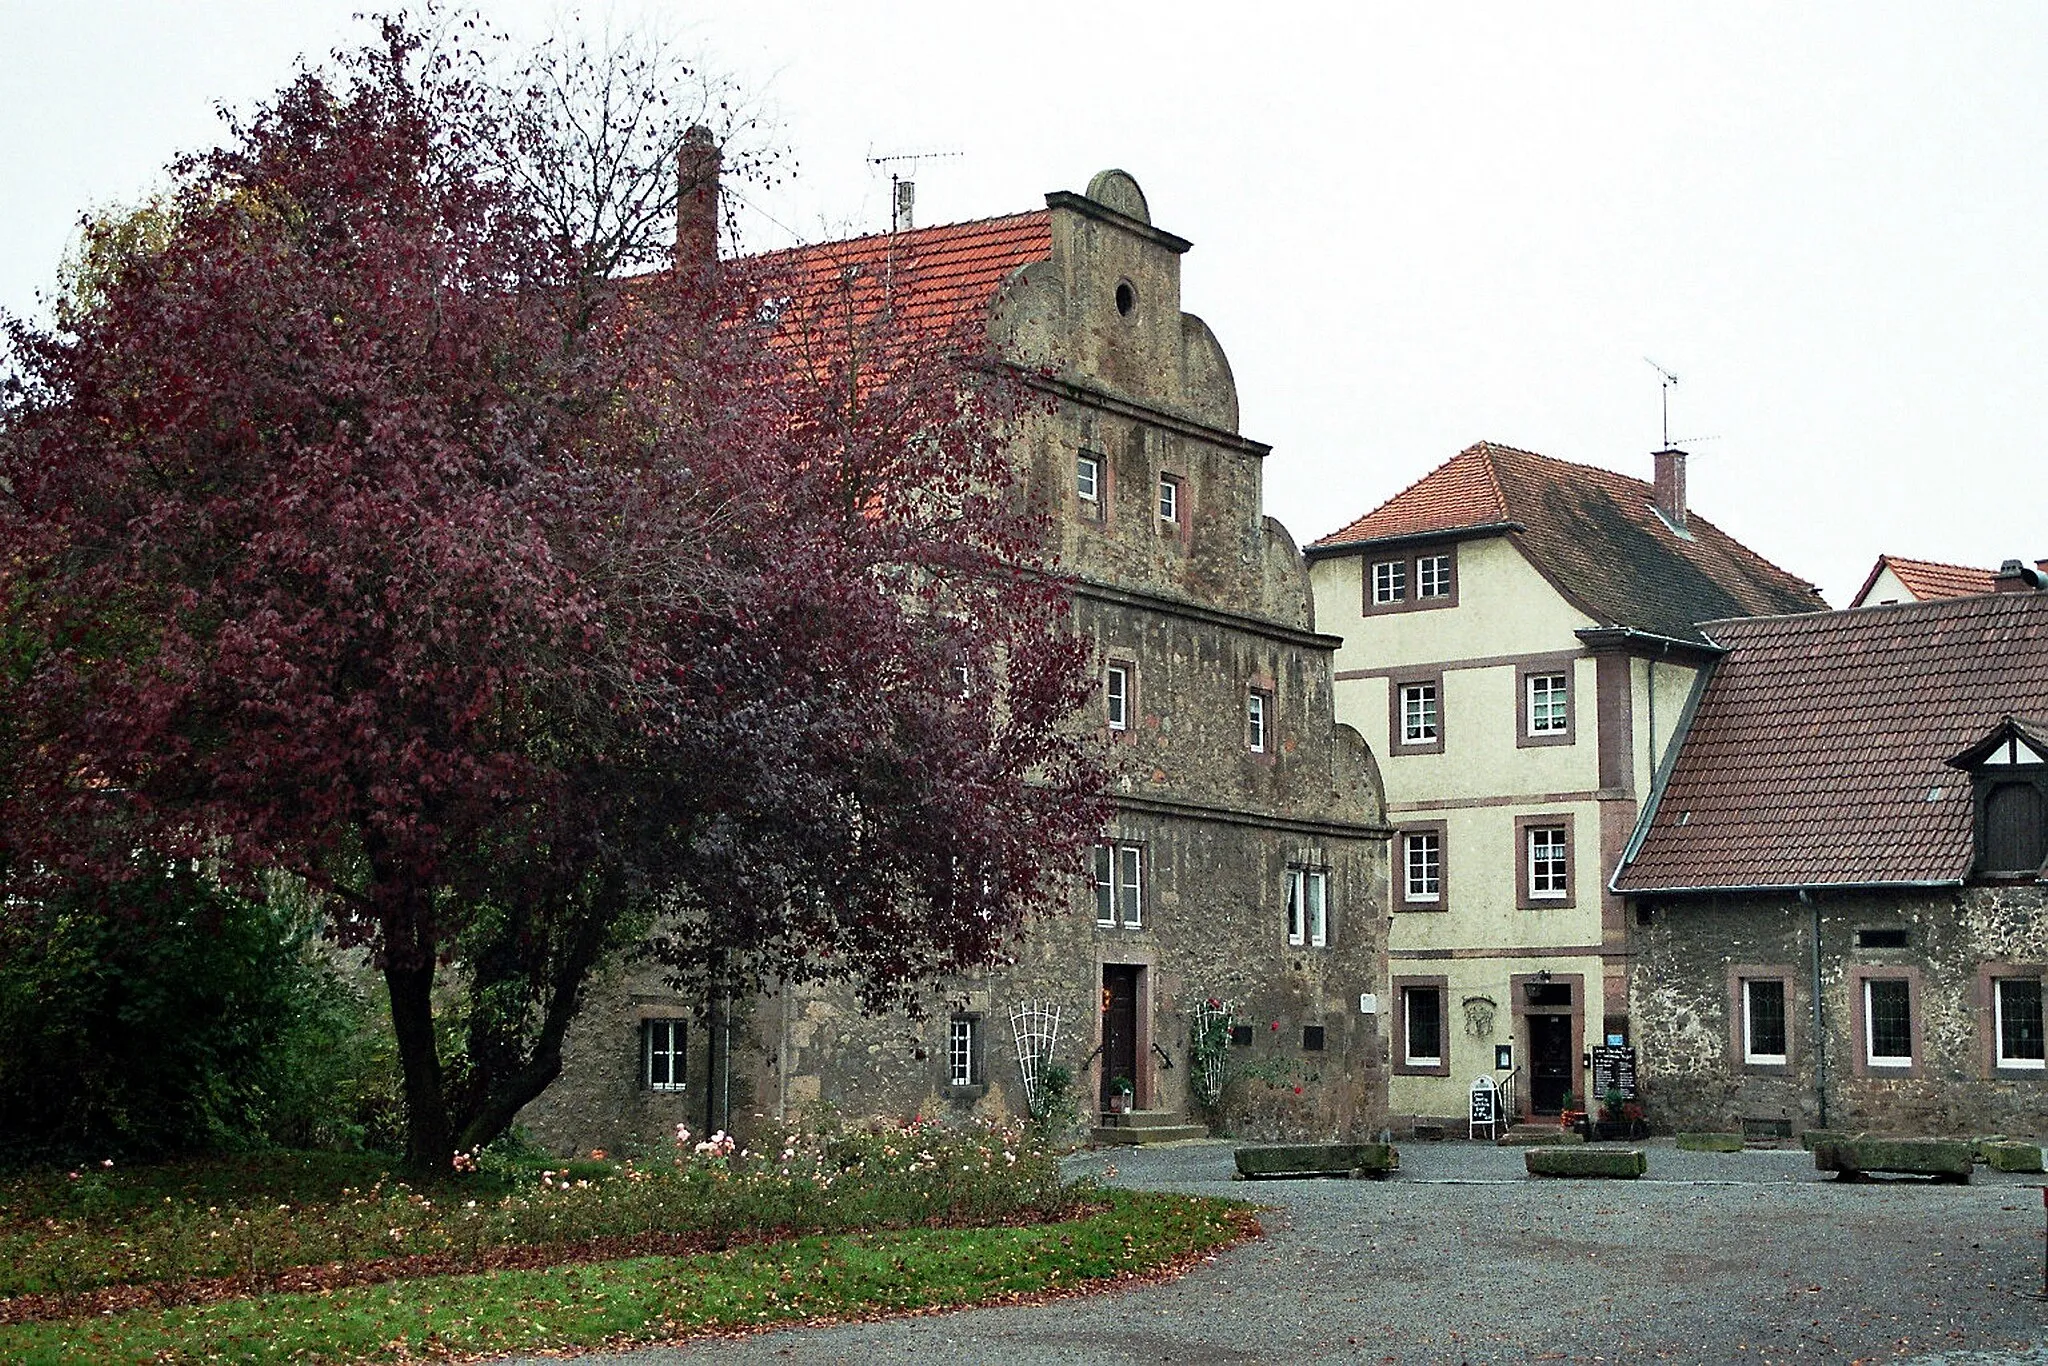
1312	1038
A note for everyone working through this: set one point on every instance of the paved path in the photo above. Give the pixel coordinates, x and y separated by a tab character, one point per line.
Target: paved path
1739	1257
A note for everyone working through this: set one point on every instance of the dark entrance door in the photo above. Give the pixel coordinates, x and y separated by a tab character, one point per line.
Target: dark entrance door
1550	1062
1119	1026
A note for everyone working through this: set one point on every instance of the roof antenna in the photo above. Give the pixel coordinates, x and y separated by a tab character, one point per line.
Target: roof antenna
1670	382
903	188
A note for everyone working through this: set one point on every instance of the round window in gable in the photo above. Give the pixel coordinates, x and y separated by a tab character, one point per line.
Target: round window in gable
1126	298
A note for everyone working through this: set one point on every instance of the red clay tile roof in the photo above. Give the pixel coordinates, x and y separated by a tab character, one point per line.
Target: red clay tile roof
1928	580
1819	754
1597	534
940	278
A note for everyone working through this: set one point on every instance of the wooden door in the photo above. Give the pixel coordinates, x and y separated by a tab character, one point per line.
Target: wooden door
1119	1027
1550	1062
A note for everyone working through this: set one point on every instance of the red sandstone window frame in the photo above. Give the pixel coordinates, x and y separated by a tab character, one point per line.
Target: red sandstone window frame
1859	976
1741	977
1994	1060
1397	712
1403	1064
1526	674
1410	564
1526	896
1405	898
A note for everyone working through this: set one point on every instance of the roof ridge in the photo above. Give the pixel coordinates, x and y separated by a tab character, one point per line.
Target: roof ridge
1935	564
1962	604
899	234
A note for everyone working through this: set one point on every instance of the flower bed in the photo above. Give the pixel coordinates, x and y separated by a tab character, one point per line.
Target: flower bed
834	1180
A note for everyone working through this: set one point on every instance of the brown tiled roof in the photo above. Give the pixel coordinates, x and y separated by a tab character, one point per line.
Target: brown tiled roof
938	279
1597	534
1928	580
1819	754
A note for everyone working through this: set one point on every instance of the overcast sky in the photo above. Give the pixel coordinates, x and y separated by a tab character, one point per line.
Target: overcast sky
1413	229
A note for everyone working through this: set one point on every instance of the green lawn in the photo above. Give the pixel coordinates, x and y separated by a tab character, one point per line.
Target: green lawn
651	1299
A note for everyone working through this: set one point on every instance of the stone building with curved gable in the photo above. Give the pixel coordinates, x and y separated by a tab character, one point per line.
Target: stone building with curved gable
1244	871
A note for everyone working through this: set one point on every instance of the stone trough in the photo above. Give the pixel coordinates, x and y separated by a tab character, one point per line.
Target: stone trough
1614	1164
1276	1161
1855	1158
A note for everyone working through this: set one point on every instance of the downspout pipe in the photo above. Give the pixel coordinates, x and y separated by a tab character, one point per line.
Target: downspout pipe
1820	1044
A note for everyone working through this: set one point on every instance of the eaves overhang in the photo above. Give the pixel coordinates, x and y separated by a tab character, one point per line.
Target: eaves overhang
1478	531
1786	888
1628	640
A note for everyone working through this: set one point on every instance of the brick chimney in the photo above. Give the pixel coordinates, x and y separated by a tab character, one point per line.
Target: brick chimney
697	167
2014	576
1670	486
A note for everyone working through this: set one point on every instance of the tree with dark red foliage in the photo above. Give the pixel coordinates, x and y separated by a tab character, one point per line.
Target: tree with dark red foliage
361	523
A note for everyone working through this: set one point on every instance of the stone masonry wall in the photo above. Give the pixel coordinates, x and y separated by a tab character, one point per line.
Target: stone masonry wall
1683	1006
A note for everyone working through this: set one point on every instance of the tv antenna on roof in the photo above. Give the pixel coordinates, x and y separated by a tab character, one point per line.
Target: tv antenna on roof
1670	382
903	189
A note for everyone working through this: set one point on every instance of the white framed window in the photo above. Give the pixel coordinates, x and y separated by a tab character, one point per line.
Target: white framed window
1550	704
1433	576
1088	477
1169	498
1422	866
662	1054
1549	863
1390	581
1887	1022
2016	1023
1422	1026
1255	718
1418	713
1116	695
1763	1020
1119	885
1308	907
961	1066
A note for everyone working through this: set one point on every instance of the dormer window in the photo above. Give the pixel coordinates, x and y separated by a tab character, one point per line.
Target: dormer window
2009	769
1409	580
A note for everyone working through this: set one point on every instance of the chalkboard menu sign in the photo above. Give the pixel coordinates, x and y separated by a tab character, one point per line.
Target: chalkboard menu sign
1484	1098
1614	1069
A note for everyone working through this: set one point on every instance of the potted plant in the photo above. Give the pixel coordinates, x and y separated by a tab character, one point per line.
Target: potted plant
1568	1115
1614	1123
1121	1095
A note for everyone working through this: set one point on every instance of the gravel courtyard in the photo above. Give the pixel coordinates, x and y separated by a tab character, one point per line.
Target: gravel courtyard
1741	1257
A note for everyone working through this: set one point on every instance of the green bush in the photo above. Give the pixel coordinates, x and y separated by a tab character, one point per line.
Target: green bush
169	1015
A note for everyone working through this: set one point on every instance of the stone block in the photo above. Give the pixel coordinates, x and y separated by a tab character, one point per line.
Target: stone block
1813	1138
1851	1159
1273	1160
1709	1143
1540	1136
1983	1141
1623	1164
2008	1156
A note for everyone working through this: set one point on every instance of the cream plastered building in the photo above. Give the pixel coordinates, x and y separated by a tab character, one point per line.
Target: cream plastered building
1520	645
